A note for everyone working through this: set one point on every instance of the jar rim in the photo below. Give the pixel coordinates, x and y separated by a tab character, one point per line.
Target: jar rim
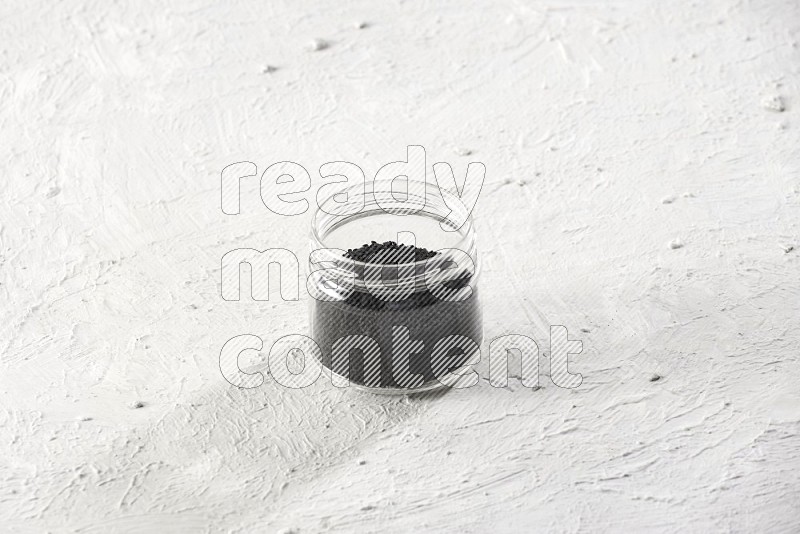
440	204
465	243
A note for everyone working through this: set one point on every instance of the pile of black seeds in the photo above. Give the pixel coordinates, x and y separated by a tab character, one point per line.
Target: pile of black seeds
427	318
389	250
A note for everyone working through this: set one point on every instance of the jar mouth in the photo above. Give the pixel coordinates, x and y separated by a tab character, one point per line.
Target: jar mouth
422	199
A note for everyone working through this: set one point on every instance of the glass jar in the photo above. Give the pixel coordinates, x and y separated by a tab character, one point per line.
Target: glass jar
402	314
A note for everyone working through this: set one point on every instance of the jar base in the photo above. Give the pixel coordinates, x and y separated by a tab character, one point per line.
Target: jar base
427	387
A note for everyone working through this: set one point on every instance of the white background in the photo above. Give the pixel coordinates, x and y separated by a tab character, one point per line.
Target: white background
608	130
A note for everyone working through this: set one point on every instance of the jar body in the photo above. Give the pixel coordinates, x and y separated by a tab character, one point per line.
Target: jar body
410	339
414	331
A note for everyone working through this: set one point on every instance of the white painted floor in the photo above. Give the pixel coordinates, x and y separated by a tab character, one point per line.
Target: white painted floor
609	129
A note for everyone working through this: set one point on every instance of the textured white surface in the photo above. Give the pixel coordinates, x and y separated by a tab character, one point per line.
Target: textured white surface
609	131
